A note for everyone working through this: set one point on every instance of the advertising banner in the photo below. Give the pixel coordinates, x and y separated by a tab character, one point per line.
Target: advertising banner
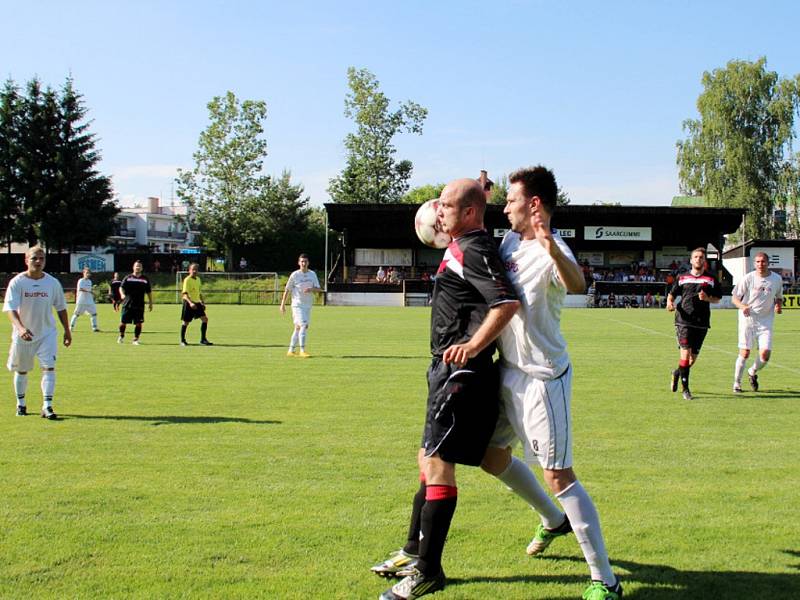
97	263
623	234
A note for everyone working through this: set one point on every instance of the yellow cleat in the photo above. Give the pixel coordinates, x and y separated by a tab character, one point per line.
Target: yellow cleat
291	353
304	354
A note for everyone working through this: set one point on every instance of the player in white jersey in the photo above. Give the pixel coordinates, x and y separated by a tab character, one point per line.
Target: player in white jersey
759	297
536	379
301	285
84	300
29	302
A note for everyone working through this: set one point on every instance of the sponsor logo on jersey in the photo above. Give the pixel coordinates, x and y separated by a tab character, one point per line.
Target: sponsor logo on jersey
36	295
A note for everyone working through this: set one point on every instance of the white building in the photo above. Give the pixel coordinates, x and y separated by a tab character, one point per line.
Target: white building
160	228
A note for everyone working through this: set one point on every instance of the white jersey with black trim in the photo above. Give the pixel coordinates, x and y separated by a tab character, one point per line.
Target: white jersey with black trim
299	283
532	340
83	292
760	294
34	301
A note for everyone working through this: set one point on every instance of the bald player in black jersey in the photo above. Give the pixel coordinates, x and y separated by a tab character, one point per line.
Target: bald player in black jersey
472	302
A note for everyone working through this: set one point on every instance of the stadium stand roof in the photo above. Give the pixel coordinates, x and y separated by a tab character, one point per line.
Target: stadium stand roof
392	225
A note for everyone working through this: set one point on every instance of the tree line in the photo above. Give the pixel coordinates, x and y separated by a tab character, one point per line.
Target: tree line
738	153
50	189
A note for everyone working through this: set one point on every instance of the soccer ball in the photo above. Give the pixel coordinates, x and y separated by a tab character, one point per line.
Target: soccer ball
427	227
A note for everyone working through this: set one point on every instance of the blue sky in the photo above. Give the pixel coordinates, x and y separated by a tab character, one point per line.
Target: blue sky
597	91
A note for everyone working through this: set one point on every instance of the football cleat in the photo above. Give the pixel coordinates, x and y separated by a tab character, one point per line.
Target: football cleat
291	353
47	413
753	381
183	343
304	354
136	342
598	590
737	389
120	340
687	395
396	563
544	537
413	586
96	330
673	384
22	411
205	343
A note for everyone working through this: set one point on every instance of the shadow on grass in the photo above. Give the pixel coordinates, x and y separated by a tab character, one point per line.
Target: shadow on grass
381	357
172	420
662	581
747	395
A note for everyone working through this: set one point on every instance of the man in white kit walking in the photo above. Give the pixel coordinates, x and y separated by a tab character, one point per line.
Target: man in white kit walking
84	300
759	297
302	284
30	299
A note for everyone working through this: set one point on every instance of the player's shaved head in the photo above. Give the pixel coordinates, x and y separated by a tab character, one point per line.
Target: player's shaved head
467	192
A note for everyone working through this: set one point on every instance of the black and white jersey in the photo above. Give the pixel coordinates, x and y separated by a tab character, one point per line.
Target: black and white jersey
691	311
135	289
470	280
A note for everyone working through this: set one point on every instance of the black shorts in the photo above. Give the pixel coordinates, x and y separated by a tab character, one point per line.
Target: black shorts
690	338
188	314
463	405
132	314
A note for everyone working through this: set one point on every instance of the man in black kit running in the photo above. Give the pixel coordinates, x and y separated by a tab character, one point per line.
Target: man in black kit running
698	289
472	302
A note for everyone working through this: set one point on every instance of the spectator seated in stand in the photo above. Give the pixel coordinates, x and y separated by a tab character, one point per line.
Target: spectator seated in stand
380	276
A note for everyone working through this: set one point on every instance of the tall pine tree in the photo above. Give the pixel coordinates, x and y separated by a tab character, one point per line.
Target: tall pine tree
81	209
11	110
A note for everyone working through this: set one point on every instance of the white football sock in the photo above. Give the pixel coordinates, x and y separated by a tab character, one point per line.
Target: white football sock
737	374
48	387
586	525
303	337
759	364
94	321
20	387
72	321
521	480
756	365
293	342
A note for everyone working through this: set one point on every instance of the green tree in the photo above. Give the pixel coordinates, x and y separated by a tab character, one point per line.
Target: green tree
11	113
423	193
739	152
226	191
371	173
81	210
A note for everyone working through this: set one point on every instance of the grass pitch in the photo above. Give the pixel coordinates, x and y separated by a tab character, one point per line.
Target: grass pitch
236	472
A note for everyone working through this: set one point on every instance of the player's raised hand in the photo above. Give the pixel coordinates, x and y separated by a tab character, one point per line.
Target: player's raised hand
543	233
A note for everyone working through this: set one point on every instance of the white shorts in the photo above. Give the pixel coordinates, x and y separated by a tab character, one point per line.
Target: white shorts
752	330
538	414
22	353
85	307
301	315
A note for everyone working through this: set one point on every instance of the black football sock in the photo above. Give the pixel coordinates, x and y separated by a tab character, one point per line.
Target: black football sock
683	369
122	331
137	331
203	329
440	505
183	333
412	545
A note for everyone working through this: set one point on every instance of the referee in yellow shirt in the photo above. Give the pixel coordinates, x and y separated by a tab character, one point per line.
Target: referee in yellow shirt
193	306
